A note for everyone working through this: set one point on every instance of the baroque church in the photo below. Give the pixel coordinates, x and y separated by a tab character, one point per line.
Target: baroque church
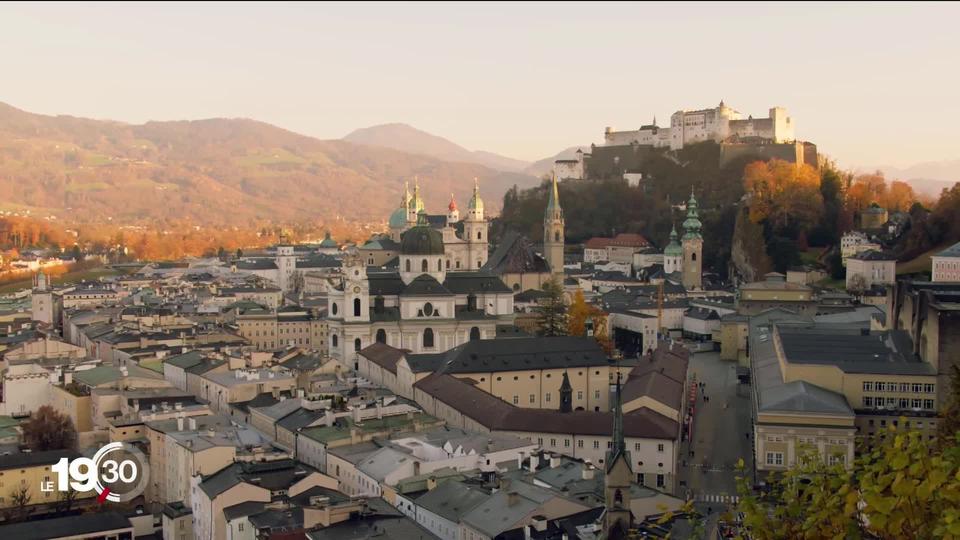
435	296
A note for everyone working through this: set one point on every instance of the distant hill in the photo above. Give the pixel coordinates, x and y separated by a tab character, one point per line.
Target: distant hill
545	165
407	138
216	171
929	178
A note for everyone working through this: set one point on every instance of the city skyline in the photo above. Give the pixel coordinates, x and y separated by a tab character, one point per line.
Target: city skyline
524	81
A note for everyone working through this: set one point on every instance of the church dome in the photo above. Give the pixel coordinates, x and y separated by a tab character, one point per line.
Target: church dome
422	240
328	242
673	249
398	219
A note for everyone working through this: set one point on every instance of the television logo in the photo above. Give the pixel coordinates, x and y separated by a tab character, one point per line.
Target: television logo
118	472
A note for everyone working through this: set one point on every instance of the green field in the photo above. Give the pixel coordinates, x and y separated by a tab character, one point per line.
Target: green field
87	274
811	255
921	263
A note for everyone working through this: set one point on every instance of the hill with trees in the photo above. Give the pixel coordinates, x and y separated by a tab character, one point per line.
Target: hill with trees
233	172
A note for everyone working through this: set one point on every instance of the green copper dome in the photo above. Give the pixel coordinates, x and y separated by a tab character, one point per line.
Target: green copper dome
328	242
398	219
673	249
476	203
421	240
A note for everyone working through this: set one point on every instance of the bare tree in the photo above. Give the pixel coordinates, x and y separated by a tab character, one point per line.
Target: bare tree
47	429
19	501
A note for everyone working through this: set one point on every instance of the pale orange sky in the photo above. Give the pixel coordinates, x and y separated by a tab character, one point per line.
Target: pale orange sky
871	84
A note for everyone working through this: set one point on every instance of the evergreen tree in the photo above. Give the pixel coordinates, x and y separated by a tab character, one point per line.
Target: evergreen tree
552	310
949	425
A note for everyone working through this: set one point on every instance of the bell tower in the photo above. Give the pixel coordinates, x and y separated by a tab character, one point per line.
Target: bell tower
618	477
356	290
475	229
553	230
692	247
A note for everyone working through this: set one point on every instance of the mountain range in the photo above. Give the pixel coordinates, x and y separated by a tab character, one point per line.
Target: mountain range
928	178
407	138
219	171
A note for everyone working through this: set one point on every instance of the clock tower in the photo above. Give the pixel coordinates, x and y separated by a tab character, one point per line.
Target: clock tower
356	290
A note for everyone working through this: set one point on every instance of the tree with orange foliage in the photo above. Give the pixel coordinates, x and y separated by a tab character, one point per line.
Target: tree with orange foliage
899	197
579	313
783	193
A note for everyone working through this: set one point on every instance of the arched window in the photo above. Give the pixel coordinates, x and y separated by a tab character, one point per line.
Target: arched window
381	336
423	266
479	235
428	338
408	265
458	265
448	264
479	264
474	333
356	307
333	308
556	236
471	302
439	265
693	256
378	304
333	340
356	344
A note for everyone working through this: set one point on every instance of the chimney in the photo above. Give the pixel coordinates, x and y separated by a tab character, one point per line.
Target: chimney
512	498
179	423
136	405
520	460
587	471
534	462
539	523
192	423
526	532
554	461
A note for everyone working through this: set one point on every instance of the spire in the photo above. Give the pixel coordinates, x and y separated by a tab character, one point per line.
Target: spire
416	203
692	224
553	204
566	394
618	446
654	120
405	201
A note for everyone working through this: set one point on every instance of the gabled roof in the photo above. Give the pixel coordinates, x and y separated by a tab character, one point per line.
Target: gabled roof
523	353
185	360
383	355
952	251
425	285
515	255
83	525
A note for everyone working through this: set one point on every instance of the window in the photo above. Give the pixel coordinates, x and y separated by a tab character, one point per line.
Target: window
408	265
333	309
516	400
693	257
596	394
867	401
867	386
333	340
580	443
428	338
556	236
547	397
240	527
660	447
381	336
928	404
774	438
533	398
439	265
423	265
881	387
904	403
474	334
904	387
566	443
609	445
636	447
774	458
356	307
917	388
579	394
357	345
917	403
553	442
928	388
835	459
596	445
428	309
660	478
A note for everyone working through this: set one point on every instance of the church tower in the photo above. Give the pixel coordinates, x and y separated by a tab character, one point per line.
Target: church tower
398	219
286	262
618	477
692	247
475	231
415	204
673	254
356	290
453	215
553	231
566	395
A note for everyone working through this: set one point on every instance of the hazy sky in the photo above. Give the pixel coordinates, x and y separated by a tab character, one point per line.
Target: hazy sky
870	84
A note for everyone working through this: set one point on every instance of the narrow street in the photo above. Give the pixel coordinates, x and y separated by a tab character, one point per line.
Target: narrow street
720	429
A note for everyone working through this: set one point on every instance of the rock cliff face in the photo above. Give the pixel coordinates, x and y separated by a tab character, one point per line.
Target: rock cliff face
748	256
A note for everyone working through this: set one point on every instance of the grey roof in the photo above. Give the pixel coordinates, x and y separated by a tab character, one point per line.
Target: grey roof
298	419
488	355
452	500
497	514
852	350
279	410
952	251
474	282
273	475
425	285
247	508
383	462
515	255
303	362
70	526
873	255
257	264
185	360
30	459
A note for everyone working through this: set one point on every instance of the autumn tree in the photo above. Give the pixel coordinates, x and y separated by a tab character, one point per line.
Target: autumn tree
783	193
949	425
899	197
857	284
552	310
579	313
902	488
47	429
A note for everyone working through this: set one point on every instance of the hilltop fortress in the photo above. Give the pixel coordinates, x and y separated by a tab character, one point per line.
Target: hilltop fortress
770	137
